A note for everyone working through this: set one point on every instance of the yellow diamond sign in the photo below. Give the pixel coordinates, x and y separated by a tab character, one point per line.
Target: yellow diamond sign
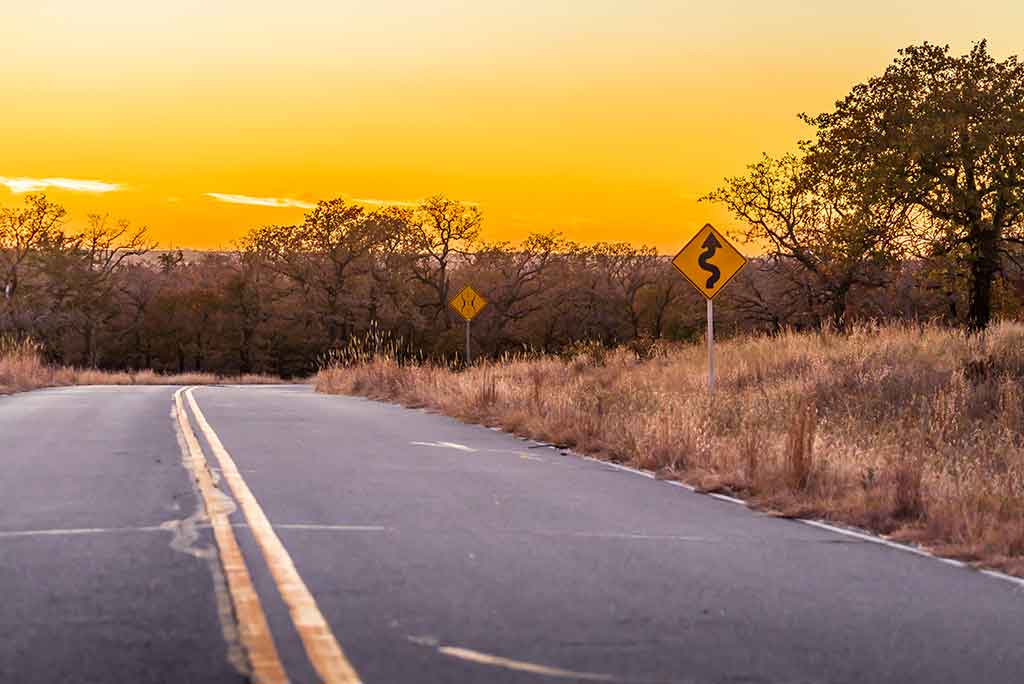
709	261
468	303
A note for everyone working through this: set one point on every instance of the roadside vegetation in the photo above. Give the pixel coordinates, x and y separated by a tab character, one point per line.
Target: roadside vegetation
23	368
911	431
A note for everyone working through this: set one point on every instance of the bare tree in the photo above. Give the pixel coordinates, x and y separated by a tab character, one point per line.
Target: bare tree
515	279
322	255
627	270
87	267
440	230
24	233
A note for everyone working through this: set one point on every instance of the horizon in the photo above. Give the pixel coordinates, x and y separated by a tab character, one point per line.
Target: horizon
603	122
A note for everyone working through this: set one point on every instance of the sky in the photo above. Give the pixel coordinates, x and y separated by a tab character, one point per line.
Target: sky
603	120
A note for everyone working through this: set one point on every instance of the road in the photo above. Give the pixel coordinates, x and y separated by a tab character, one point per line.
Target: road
350	540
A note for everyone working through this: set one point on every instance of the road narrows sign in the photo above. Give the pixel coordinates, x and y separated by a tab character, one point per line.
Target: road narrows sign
709	261
468	303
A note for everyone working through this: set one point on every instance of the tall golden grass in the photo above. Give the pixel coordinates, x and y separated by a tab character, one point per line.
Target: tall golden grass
22	368
916	432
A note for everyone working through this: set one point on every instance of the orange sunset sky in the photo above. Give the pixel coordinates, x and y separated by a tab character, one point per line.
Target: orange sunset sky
605	120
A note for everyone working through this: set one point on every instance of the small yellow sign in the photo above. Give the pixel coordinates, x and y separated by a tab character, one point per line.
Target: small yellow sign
709	261
468	303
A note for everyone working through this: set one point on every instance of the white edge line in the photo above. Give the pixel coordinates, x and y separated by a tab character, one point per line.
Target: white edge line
863	536
724	497
879	540
617	466
73	531
912	549
1003	576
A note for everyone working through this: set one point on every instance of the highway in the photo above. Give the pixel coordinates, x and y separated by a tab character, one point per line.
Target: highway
271	534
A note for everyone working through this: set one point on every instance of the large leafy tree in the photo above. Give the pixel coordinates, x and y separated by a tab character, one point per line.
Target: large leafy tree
943	134
805	216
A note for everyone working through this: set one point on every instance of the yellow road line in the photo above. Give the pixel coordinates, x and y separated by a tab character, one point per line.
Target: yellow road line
252	622
322	648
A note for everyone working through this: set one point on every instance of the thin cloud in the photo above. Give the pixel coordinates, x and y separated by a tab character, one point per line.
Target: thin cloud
283	202
20	185
384	203
279	202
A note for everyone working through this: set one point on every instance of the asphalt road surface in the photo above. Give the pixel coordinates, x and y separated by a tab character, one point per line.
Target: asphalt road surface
278	535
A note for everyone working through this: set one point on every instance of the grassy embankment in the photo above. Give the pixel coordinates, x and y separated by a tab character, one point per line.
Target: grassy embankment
22	368
916	433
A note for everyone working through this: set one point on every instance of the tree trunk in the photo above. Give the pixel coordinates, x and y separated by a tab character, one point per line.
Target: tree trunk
840	297
442	297
244	354
200	353
984	267
89	344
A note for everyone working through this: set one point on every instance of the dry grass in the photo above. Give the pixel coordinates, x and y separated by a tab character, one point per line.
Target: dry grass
914	432
22	368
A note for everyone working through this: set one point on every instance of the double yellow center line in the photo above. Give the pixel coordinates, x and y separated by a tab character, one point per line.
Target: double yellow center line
322	648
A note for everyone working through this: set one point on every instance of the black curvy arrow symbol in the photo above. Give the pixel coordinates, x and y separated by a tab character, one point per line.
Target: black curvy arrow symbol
711	245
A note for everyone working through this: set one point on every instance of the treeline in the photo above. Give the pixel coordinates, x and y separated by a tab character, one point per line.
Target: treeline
291	294
907	204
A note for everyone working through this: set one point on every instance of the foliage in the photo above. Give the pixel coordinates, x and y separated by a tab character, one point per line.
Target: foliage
942	135
925	160
806	217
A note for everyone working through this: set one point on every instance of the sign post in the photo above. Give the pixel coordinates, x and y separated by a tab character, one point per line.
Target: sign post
709	262
468	303
711	346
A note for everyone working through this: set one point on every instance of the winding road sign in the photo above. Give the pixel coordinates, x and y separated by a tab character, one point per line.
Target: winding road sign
468	303
709	261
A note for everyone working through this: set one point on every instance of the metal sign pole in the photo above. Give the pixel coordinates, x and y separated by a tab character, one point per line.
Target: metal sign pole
711	346
468	357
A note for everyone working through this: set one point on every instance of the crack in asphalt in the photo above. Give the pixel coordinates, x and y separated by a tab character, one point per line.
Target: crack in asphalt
185	535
